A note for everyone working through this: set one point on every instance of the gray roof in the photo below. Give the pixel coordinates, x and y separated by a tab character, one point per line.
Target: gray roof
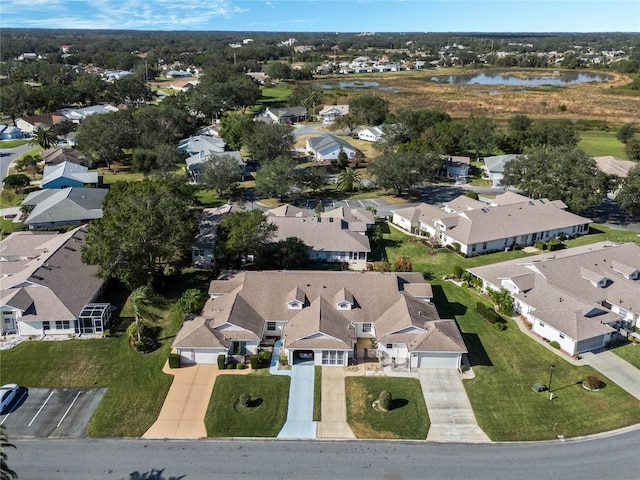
69	170
202	157
207	229
327	141
614	166
496	163
54	156
65	205
561	285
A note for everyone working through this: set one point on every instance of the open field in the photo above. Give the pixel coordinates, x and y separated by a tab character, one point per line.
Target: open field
601	144
412	89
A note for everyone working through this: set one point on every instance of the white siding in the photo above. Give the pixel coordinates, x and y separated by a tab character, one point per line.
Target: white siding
435	360
402	222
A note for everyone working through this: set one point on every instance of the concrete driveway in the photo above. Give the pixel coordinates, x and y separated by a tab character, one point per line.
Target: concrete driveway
620	372
334	409
450	412
182	415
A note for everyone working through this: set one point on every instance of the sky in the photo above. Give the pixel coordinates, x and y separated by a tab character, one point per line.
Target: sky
326	15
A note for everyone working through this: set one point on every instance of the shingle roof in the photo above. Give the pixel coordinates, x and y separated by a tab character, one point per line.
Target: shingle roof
66	205
614	166
69	170
327	141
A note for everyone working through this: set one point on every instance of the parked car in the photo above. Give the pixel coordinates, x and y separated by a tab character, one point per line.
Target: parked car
7	393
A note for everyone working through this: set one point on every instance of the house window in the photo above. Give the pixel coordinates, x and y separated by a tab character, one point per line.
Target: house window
389	345
562	335
473	247
541	324
198	253
484	246
366	327
46	325
63	324
271	326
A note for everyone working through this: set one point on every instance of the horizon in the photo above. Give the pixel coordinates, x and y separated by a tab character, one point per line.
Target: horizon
516	17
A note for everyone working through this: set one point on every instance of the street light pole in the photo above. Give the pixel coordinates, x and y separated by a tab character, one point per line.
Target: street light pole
550	378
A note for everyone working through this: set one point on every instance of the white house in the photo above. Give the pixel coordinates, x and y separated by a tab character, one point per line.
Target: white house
495	167
579	297
330	112
475	227
330	316
371	134
327	147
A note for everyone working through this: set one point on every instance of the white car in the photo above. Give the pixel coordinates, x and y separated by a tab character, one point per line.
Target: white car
7	393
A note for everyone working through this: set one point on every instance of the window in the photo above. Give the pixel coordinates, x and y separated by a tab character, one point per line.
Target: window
63	324
541	324
46	325
484	246
473	247
562	335
389	345
271	326
366	327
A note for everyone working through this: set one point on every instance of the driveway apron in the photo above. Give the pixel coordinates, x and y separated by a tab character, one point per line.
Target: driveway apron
299	422
334	409
620	372
450	412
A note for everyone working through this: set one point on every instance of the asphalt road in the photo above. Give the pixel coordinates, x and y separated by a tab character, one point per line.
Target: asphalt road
8	155
608	457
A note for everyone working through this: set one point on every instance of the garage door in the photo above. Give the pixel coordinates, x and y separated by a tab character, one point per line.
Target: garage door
191	356
590	344
437	360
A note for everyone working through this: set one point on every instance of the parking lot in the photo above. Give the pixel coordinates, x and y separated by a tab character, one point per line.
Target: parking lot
51	412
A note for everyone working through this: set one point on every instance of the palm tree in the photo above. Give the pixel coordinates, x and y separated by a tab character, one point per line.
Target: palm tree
5	472
45	138
349	180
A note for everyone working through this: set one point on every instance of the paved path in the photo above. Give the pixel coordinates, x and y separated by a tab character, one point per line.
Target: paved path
182	415
620	372
334	406
299	422
450	412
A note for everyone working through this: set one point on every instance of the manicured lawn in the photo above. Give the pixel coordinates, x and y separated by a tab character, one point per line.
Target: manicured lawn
630	353
317	394
11	200
270	394
136	385
13	143
601	233
275	96
7	226
601	144
507	363
408	419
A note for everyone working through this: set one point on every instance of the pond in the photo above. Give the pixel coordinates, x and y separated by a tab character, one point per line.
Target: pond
523	79
352	84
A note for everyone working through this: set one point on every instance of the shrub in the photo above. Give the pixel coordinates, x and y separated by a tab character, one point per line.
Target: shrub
191	301
264	359
456	246
245	399
500	326
554	244
517	247
458	271
472	194
555	344
230	366
386	400
222	359
402	264
283	360
592	383
253	359
488	314
239	366
149	333
174	360
540	245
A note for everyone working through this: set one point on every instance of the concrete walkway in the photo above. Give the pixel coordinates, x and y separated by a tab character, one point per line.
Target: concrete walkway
450	412
334	406
182	415
620	372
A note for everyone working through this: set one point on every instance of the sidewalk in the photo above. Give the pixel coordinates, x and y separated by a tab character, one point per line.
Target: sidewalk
333	423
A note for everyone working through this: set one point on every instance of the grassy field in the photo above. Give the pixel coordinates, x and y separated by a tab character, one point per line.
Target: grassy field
317	394
269	394
630	353
601	144
408	418
13	143
7	227
507	363
136	385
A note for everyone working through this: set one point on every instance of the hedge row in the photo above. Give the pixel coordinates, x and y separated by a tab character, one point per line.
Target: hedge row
488	314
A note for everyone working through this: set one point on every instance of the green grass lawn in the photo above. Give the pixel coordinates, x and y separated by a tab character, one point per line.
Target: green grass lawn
507	363
7	227
12	199
630	353
136	385
601	144
275	96
317	394
13	143
270	394
408	419
602	233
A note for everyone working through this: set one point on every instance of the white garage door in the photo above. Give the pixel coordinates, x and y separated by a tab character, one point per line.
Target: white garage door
437	360
191	356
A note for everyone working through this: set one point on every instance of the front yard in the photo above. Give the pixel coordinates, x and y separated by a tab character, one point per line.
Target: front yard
264	415
407	419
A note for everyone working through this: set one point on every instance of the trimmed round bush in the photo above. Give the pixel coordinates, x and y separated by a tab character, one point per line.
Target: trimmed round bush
386	400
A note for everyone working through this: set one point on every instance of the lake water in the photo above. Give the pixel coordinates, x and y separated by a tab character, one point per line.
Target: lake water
523	79
353	84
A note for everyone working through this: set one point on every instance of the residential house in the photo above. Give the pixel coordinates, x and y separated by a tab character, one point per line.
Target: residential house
56	156
67	174
614	166
326	147
258	77
580	297
335	237
9	133
201	145
288	115
334	316
456	167
371	134
29	125
195	163
494	167
476	227
178	74
203	246
38	298
330	112
78	115
67	206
